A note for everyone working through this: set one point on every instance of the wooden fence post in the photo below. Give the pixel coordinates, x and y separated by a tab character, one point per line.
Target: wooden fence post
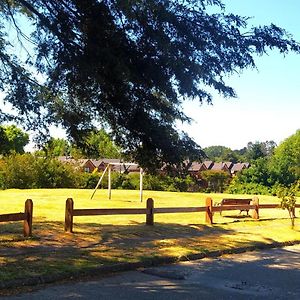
255	212
69	215
27	225
150	212
209	214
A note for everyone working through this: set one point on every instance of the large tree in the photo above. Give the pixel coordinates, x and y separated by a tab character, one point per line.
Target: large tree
285	162
259	149
12	139
222	153
128	65
99	145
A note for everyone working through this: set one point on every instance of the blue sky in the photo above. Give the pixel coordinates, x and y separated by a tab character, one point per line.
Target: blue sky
268	103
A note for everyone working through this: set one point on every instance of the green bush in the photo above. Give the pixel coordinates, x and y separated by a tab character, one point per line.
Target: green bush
215	181
88	180
152	182
25	171
29	171
51	173
19	171
236	187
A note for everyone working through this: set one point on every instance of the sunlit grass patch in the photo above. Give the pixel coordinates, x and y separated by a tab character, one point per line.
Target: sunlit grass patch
106	240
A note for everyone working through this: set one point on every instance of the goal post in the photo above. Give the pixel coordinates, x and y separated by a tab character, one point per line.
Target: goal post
108	170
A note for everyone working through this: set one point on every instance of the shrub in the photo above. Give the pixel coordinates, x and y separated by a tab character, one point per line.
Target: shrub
51	173
19	171
25	171
216	181
88	180
236	187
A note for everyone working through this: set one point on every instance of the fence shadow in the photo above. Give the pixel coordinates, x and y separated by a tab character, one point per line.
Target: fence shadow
52	251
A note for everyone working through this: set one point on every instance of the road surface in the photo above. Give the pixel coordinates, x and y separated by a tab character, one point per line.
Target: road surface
266	274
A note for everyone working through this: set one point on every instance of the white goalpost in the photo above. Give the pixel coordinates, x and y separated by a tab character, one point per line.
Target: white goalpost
108	170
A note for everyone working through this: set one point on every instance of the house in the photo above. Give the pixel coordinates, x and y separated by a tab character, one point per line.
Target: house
229	164
99	164
85	164
247	165
208	164
133	168
220	166
117	165
238	167
195	167
102	163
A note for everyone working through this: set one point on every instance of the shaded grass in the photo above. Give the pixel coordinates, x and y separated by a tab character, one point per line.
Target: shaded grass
105	240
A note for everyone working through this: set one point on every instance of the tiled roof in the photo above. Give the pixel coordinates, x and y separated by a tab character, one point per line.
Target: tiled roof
208	164
219	166
238	167
195	166
229	164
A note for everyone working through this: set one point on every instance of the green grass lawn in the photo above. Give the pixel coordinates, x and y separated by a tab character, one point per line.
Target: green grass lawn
103	240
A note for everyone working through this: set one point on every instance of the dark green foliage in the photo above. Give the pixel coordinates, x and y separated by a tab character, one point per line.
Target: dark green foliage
12	139
258	150
258	179
53	174
56	147
285	163
131	181
250	153
215	181
259	173
274	167
129	65
28	171
19	171
237	187
98	144
221	153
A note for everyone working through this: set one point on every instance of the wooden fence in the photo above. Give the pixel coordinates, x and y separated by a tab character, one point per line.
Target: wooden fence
150	211
25	216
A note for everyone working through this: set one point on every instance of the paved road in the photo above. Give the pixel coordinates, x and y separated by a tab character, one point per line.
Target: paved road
268	274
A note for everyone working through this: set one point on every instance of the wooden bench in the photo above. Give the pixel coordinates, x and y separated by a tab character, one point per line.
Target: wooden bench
233	202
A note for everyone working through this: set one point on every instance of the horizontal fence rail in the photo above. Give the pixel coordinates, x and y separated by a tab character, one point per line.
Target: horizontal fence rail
269	205
150	210
234	207
12	217
169	210
26	216
109	211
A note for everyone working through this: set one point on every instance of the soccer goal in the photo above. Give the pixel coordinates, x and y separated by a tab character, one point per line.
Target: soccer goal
108	171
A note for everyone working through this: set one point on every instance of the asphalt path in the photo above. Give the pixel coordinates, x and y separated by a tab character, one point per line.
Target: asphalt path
265	274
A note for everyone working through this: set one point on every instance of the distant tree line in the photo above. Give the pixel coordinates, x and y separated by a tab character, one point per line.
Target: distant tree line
272	166
271	170
250	153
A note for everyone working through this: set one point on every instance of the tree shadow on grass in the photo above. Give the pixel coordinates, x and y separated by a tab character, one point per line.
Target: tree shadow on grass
52	251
